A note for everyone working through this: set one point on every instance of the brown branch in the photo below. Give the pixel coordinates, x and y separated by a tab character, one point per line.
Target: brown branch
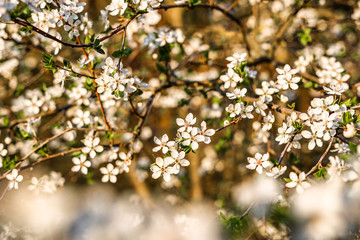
72	71
313	169
60	154
285	149
97	94
122	49
45	34
232	6
133	109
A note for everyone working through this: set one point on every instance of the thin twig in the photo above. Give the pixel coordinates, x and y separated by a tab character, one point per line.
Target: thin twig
122	49
97	94
285	149
232	6
60	154
313	169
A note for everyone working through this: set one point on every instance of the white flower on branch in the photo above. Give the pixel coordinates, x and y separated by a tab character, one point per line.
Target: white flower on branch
47	183
259	163
315	135
117	7
268	121
43	20
72	28
165	36
285	79
81	164
301	64
14	178
186	125
125	158
71	9
260	107
110	172
237	93
284	134
179	160
341	81
82	118
163	167
265	92
104	18
334	89
337	166
236	59
207	133
331	65
164	144
233	110
231	79
298	182
323	104
275	172
92	146
349	130
192	138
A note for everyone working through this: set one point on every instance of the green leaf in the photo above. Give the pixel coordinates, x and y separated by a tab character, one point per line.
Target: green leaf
96	43
20	88
292	106
297	126
120	53
20	11
89	39
22	134
138	92
352	147
89	178
164	53
67	63
48	59
346	118
118	93
203	93
43	88
43	151
129	13
305	37
5	121
187	90
89	84
183	102
321	173
99	50
308	85
287	179
194	2
9	162
349	102
25	29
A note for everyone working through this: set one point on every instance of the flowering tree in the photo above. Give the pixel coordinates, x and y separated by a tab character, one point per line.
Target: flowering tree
259	90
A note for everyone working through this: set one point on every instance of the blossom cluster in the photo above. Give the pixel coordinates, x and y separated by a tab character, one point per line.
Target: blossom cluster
188	139
116	82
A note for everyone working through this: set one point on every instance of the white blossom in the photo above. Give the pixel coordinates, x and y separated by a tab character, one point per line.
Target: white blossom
298	181
259	163
14	178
